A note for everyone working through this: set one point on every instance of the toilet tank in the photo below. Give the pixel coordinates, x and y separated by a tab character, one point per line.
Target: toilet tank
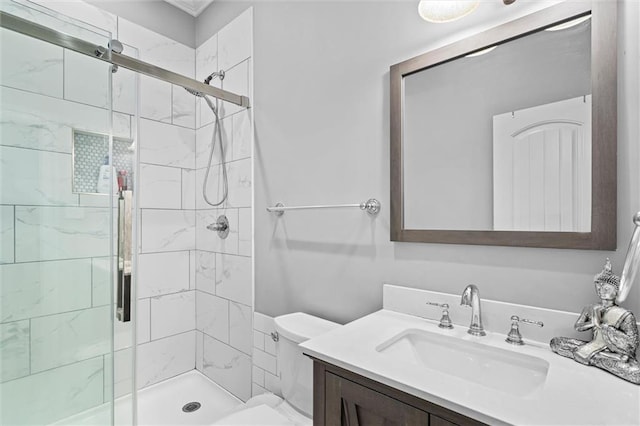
296	370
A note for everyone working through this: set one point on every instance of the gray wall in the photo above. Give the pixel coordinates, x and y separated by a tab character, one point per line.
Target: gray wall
155	15
321	101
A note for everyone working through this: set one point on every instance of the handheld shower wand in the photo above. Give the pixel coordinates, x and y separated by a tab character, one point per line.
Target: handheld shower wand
216	131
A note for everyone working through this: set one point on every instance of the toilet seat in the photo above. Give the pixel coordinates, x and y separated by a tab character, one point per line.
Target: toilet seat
265	410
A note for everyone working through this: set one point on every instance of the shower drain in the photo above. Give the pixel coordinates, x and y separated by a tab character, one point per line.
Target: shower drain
190	407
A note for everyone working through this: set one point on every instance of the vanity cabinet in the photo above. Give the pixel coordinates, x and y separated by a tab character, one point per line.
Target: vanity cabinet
341	397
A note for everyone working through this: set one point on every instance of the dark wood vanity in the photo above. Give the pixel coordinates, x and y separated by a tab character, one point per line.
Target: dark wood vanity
341	397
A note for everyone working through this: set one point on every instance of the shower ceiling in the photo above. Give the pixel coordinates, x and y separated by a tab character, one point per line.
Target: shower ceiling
192	7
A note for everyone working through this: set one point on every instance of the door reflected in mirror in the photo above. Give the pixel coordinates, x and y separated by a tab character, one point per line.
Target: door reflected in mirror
502	140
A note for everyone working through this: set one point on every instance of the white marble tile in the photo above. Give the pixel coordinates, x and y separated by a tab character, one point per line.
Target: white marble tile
155	99
272	383
6	234
240	191
143	319
172	314
265	361
204	139
70	337
242	135
52	395
14	357
167	145
270	346
119	379
33	177
263	323
212	316
48	233
239	185
84	12
123	335
228	367
257	376
189	189
158	49
44	288
101	281
245	232
168	230
209	240
96	200
41	122
183	111
192	269
256	389
160	187
237	80
205	271
233	278
78	87
240	327
258	340
121	125
163	273
207	58
235	39
30	64
199	350
161	359
124	90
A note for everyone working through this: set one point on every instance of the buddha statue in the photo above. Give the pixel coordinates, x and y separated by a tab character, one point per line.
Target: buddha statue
614	333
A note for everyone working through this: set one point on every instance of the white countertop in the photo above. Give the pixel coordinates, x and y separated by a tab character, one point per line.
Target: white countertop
573	394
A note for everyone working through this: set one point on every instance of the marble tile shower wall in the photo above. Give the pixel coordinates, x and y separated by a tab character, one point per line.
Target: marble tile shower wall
223	274
54	253
165	338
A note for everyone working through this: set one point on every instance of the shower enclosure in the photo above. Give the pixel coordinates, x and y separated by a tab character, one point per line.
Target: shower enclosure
69	204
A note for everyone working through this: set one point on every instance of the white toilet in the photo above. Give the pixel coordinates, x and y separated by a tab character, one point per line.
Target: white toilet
296	376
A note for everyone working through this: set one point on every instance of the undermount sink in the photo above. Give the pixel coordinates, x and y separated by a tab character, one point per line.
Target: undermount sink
500	369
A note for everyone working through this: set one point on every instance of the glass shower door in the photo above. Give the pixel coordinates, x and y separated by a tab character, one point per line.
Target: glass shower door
63	356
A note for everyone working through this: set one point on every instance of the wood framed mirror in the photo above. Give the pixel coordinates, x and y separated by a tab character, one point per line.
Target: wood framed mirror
509	137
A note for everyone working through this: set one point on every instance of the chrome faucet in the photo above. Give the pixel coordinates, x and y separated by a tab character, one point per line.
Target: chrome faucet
471	297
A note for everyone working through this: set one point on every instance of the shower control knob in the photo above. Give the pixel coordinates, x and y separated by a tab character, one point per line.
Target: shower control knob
221	226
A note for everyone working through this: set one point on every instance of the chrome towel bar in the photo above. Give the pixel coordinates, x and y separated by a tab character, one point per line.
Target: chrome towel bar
371	206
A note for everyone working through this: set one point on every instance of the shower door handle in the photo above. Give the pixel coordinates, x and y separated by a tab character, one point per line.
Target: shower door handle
123	296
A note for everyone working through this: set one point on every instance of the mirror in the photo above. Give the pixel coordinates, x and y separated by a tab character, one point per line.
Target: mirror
509	137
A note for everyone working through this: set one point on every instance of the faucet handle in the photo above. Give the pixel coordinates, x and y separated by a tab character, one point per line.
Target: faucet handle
445	321
514	337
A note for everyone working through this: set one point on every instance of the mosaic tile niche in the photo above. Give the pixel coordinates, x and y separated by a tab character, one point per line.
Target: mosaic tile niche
89	151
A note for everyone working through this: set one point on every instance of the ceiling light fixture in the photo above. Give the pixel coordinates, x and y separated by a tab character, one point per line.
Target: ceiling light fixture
441	11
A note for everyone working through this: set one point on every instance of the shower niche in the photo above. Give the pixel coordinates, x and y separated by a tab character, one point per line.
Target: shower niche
91	153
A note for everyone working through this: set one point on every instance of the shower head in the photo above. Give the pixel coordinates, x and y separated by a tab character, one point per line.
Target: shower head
220	74
194	93
203	96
